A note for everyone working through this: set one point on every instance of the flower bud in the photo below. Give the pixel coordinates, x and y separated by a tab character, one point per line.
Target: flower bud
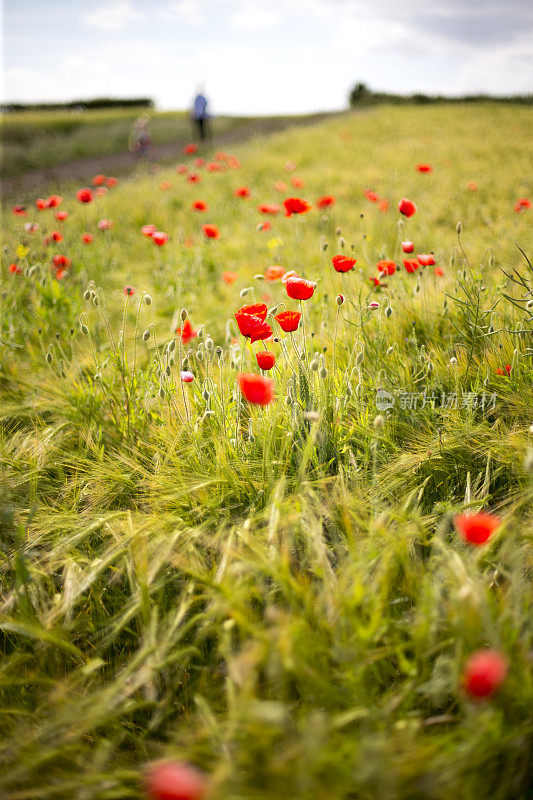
323	372
339	299
379	422
209	344
388	312
459	227
84	329
184	314
313	366
148	299
86	295
146	335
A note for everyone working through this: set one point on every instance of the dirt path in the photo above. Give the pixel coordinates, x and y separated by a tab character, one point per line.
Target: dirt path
122	164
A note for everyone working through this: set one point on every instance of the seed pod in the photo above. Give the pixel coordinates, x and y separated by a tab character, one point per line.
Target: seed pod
146	335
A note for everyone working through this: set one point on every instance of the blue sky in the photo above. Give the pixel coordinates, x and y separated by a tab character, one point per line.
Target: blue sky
263	56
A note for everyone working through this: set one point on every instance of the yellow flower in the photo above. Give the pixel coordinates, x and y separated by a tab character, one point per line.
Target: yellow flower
273	243
22	251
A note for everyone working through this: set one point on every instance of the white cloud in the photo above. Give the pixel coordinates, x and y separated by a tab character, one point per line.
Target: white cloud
188	12
251	16
113	16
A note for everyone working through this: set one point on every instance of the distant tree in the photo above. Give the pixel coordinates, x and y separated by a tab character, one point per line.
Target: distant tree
359	92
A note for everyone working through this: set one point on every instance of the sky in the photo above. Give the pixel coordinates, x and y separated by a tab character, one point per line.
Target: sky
263	56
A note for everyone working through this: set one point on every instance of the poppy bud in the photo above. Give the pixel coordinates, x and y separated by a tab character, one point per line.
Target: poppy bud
246	291
342	243
87	295
218	352
388	311
323	244
161	393
209	344
146	335
313	366
206	395
172	346
453	360
338	231
84	329
148	299
323	372
199	355
184	314
339	299
49	358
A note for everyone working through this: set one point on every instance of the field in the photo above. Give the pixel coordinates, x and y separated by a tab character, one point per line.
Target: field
282	595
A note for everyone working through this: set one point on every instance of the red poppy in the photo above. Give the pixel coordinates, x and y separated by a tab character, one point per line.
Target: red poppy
165	186
233	162
87	238
194	178
383	206
31	227
98	180
288	321
190	149
343	263
424	168
110	182
186	376
199	162
279	186
242	191
199	205
274	273
211	231
484	673
160	238
175	780
19	211
100	191
290	274
264	226
61	261
265	359
61	215
372	196
15	269
255	309
41	204
522	204
84	195
229	277
148	230
54	201
251	322
389	267
411	264
268	208
507	370
186	333
324	202
426	260
406	207
299	288
408	247
56	236
221	156
255	388
214	167
105	224
439	272
128	291
181	169
476	528
297	182
295	205
375	281
472	185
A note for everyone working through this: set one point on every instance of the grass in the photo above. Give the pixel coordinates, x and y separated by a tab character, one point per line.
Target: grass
276	595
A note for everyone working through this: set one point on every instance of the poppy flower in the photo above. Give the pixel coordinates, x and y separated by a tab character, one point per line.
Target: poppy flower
41	204
268	208
426	260
406	207
375	281
288	321
186	333
255	309
199	162
389	267
324	202
279	186
411	265
84	195
56	236
105	224
213	166
256	389
295	205
128	291
384	206
439	272
60	261
290	274
160	238
265	359
54	201
61	215
484	673
190	149
264	226
297	182
194	178
408	247
98	180
186	376
165	186
199	205
220	155
31	227
19	211
181	169
252	326
242	191
15	269
110	182
372	196
343	263
148	230
229	277
211	231
472	185
100	191
87	238
299	288
522	204
476	528
501	371
424	168
175	780
274	273
233	162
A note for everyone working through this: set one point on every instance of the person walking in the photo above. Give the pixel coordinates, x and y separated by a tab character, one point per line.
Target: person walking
200	116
